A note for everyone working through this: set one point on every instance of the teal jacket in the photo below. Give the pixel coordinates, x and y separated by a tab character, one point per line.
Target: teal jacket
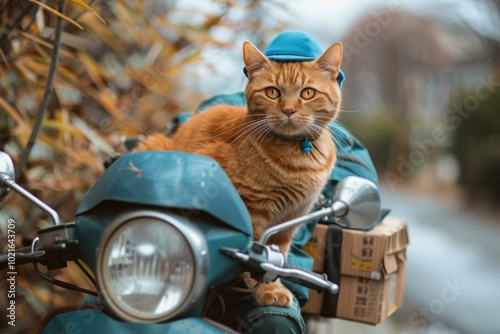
353	159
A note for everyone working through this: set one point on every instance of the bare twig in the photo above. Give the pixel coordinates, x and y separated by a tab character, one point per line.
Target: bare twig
46	94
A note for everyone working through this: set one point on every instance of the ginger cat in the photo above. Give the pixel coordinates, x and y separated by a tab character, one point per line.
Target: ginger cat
259	146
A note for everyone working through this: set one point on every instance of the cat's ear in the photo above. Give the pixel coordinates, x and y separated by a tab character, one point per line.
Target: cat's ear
253	58
330	60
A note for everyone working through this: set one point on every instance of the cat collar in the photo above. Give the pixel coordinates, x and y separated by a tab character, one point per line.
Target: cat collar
305	142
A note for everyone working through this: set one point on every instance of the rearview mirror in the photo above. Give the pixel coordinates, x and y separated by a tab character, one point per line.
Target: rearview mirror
356	204
6	172
362	199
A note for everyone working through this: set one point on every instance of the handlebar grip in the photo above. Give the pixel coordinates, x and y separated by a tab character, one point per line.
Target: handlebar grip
302	277
20	258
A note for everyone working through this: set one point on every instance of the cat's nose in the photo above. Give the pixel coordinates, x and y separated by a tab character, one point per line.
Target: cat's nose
289	112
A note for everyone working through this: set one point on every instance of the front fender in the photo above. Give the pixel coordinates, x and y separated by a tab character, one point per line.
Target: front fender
84	319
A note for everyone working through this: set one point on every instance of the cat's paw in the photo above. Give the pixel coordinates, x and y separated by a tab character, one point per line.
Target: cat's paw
273	294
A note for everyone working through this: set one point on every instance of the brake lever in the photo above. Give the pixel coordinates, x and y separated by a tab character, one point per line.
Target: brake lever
262	264
256	255
235	254
300	276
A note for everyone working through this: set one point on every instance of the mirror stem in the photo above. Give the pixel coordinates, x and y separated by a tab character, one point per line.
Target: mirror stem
6	181
338	209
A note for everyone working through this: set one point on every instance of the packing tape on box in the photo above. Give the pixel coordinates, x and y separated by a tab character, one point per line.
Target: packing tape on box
332	268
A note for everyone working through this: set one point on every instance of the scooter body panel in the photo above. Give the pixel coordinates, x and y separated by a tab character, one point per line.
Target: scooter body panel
87	319
171	180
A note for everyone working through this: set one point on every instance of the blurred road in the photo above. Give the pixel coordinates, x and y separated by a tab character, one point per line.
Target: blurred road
452	275
453	266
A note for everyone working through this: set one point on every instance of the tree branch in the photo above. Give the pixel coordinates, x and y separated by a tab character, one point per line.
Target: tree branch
23	159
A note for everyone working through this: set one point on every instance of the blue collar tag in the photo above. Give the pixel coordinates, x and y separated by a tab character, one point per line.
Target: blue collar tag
306	146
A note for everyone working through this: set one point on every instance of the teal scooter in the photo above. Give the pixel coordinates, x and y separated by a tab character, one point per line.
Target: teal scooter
161	231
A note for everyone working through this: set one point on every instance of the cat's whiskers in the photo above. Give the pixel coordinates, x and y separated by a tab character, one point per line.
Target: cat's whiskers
244	127
238	126
262	129
345	126
249	129
345	110
317	129
338	140
309	128
339	129
265	129
325	120
264	133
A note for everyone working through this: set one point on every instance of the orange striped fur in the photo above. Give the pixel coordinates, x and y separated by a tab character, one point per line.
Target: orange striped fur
275	179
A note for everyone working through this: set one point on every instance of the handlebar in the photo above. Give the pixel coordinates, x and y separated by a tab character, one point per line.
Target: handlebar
21	258
268	262
302	277
53	248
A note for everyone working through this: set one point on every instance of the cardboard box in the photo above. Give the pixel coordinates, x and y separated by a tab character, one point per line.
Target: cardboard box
371	271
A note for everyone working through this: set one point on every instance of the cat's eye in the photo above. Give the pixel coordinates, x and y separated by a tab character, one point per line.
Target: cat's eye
272	92
308	93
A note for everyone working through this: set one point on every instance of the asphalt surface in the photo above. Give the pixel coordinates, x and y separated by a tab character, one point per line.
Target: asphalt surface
453	266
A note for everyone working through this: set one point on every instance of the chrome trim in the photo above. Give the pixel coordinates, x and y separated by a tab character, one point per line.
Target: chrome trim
199	250
7	182
335	209
34	243
6	172
305	276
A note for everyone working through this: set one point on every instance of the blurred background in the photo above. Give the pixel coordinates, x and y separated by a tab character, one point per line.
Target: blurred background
422	92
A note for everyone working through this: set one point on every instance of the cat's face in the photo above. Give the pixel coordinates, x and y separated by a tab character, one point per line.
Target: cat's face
296	99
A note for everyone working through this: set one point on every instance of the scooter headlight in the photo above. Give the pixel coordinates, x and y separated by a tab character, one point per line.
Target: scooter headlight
150	266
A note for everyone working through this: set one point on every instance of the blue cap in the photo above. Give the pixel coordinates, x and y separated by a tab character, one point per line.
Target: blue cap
296	46
293	46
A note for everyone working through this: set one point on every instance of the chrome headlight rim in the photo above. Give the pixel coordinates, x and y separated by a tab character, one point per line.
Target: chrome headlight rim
199	252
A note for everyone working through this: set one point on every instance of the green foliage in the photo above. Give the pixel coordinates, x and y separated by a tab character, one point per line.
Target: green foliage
476	145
